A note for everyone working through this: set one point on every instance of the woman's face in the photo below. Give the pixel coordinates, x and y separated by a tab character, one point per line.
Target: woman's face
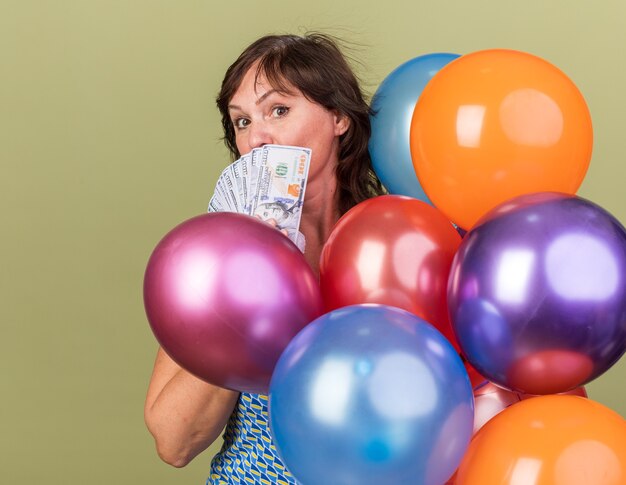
262	115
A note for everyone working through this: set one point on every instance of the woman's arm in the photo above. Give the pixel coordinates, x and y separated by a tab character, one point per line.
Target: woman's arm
184	413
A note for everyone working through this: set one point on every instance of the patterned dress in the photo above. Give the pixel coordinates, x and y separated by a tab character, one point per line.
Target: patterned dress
248	455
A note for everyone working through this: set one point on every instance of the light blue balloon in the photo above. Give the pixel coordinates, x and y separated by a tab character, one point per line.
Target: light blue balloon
393	105
370	394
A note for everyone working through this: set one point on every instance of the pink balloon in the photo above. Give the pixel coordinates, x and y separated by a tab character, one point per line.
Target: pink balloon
224	294
490	400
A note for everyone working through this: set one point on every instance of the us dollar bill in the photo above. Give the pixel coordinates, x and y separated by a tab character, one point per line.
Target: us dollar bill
269	183
280	186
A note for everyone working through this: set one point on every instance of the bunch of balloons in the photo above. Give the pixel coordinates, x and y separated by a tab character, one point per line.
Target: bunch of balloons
500	141
371	391
422	352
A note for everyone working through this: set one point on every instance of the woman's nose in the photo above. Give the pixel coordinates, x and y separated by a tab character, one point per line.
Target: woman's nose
259	135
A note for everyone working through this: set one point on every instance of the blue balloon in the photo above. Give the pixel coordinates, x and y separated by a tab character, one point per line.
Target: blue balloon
370	394
393	105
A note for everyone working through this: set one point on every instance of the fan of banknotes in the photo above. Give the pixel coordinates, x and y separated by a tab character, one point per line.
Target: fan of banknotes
269	183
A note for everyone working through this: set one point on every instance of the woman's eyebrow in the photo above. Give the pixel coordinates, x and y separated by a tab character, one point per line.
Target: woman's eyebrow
262	98
257	102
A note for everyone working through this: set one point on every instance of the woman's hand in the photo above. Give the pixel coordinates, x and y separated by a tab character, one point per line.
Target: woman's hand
273	223
300	241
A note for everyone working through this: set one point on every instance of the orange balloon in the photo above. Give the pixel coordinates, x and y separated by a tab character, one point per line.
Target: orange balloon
391	250
496	124
548	440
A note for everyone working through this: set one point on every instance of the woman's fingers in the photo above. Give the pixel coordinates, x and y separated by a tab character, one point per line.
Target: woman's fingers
273	223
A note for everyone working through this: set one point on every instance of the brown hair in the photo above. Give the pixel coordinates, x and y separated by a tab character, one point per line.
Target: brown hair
313	64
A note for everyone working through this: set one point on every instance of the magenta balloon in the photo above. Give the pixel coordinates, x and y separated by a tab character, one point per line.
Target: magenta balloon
224	294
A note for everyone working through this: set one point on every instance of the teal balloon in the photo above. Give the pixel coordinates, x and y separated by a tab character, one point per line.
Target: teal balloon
369	395
393	106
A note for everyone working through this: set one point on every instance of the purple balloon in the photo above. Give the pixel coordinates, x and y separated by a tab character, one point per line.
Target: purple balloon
537	293
224	294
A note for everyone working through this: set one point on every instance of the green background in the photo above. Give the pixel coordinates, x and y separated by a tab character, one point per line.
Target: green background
109	137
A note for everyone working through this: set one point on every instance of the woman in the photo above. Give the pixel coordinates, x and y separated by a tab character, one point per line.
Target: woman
286	90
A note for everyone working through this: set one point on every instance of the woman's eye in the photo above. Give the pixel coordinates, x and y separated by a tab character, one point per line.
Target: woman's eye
280	111
241	123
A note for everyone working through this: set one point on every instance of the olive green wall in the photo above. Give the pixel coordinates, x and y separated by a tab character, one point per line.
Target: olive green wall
109	137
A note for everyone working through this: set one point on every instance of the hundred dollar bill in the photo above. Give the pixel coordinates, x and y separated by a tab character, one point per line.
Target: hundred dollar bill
215	205
255	163
280	186
231	189
240	172
221	195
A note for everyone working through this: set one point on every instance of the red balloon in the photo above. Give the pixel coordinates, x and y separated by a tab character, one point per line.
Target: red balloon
224	294
476	379
392	250
546	370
